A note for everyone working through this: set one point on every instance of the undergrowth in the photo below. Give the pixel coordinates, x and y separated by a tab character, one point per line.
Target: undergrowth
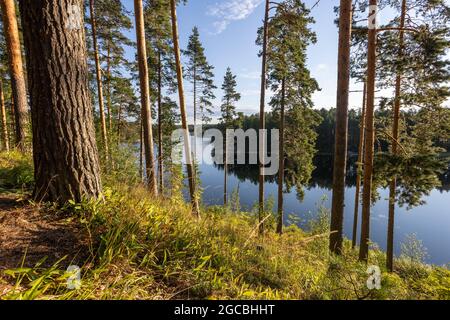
142	248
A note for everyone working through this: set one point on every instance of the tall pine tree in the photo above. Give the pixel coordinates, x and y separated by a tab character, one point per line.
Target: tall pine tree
228	120
200	73
289	37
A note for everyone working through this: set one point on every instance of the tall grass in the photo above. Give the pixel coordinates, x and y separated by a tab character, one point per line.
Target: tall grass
144	248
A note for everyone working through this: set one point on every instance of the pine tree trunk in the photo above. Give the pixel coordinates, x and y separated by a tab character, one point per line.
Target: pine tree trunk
281	159
225	172
369	141
18	85
119	124
195	116
4	134
145	98
187	147
395	137
99	79
359	166
340	150
12	118
64	148
141	150
160	128
262	119
108	86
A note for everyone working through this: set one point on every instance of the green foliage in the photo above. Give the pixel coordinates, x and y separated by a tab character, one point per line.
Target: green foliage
417	175
16	170
200	73
288	75
148	249
230	97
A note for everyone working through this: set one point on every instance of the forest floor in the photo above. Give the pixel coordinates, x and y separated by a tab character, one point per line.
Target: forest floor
129	246
27	234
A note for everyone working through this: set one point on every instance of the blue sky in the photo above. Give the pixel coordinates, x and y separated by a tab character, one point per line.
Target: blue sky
228	32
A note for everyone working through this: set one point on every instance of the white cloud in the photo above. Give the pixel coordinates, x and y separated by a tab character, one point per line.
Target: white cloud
231	10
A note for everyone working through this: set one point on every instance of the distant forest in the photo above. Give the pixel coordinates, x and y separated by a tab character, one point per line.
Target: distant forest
325	130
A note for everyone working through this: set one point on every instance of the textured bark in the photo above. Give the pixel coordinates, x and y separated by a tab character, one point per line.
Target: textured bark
194	153
369	142
281	163
16	69
64	148
395	137
145	98
108	86
225	172
160	128
13	118
362	125
99	79
340	151
4	133
141	151
262	118
187	147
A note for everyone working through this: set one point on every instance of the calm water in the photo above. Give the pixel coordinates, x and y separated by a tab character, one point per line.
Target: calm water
430	222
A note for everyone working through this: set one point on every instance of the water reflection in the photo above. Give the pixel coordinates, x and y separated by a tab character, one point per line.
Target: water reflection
431	222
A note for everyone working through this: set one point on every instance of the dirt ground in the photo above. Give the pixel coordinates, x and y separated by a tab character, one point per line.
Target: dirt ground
28	234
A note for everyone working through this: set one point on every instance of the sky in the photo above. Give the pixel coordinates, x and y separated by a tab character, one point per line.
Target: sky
228	32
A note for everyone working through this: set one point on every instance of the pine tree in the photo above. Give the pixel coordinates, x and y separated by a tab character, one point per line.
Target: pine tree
412	62
187	148
112	24
200	73
340	151
4	77
161	67
145	97
11	31
262	116
98	73
64	148
289	37
228	120
4	124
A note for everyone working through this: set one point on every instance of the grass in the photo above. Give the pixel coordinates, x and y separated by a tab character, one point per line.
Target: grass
16	172
143	248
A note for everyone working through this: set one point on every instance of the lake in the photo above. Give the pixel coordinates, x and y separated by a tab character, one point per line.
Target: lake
430	222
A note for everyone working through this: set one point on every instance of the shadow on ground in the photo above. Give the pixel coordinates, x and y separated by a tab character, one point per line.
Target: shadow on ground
28	235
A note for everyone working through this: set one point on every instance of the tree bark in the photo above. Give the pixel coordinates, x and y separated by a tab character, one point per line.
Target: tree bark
160	128
64	148
225	172
12	118
395	138
99	79
262	119
108	86
187	147
369	140
141	150
145	98
16	69
281	159
359	166
4	134
195	116
340	151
